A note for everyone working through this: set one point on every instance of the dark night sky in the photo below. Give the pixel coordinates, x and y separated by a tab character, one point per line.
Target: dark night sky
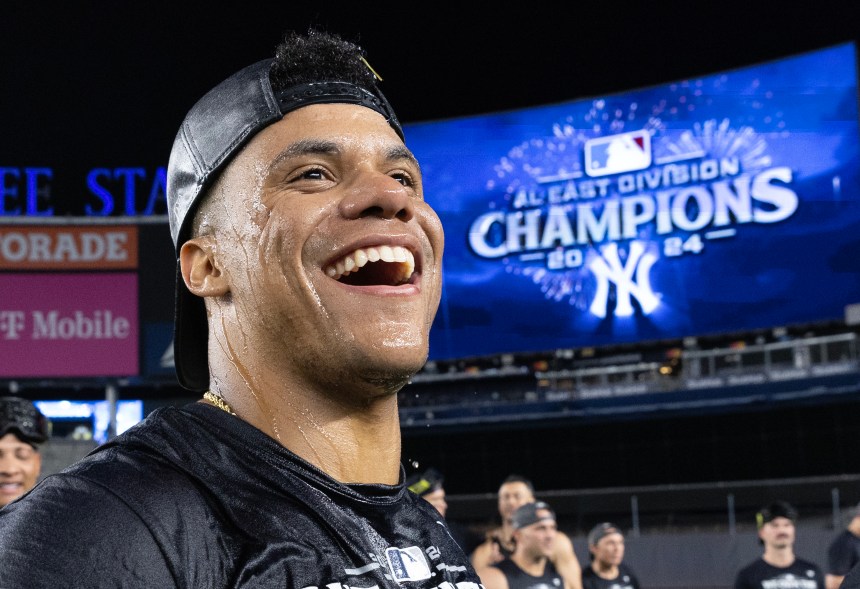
107	83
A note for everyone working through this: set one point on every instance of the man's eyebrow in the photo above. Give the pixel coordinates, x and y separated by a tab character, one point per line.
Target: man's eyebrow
324	147
401	152
305	147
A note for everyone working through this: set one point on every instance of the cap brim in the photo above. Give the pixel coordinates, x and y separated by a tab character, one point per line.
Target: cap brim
190	338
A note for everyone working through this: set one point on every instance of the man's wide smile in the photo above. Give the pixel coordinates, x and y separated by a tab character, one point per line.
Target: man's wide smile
389	265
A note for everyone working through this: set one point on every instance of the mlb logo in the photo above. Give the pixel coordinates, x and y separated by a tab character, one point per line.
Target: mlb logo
625	152
407	564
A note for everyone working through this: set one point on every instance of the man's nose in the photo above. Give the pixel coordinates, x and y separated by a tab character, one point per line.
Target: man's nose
7	465
376	194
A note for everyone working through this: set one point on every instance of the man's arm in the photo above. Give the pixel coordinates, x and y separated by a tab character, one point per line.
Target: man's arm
492	578
486	554
565	562
840	555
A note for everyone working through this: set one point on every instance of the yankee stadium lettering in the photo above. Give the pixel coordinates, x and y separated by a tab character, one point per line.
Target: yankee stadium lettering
127	191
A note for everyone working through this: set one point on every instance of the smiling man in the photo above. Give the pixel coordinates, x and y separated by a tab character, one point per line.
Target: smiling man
514	492
529	565
309	275
22	429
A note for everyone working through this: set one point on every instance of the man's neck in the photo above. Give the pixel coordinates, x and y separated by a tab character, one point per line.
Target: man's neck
779	557
535	566
605	570
351	441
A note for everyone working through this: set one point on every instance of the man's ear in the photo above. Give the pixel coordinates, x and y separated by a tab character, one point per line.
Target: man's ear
200	269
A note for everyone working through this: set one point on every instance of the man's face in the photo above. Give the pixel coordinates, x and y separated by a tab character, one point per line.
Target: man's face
20	464
777	533
537	540
437	499
609	550
512	496
332	257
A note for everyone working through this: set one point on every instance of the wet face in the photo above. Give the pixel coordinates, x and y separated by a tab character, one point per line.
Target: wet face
437	499
511	496
777	533
537	540
330	257
20	464
609	550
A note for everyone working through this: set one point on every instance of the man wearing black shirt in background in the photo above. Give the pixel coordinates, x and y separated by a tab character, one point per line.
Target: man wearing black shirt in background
778	568
529	566
607	571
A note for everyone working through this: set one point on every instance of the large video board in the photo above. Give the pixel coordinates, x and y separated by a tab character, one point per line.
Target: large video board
716	204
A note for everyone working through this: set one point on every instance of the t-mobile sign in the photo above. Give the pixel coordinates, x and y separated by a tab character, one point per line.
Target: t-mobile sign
68	325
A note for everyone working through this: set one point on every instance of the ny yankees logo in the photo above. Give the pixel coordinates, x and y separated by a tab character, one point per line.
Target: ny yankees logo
608	268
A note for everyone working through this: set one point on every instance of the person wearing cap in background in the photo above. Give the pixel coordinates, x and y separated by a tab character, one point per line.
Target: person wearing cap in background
429	485
529	566
843	554
778	567
22	429
514	492
309	274
606	550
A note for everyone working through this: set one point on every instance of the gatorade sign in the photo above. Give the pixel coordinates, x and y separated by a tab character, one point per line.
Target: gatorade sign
67	248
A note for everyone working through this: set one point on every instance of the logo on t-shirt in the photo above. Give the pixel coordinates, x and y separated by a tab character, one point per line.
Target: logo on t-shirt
407	564
790	581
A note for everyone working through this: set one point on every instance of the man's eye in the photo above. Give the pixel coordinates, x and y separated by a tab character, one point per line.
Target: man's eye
312	174
404	179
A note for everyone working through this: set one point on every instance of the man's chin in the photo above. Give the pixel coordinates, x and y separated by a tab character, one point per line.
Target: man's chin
390	381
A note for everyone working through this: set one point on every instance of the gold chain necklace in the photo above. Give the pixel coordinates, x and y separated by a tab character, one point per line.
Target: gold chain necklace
218	401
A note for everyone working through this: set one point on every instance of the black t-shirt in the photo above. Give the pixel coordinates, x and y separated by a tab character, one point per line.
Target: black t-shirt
195	497
625	579
852	579
801	574
519	579
843	553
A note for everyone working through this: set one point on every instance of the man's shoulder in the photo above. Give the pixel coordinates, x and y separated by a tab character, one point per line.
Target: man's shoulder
806	566
751	567
626	569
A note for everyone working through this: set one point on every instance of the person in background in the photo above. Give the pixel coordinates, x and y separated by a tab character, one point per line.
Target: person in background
23	428
607	569
843	554
778	566
529	565
429	485
309	272
514	492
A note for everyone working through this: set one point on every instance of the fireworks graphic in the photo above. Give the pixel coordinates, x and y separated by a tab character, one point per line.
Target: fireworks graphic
676	118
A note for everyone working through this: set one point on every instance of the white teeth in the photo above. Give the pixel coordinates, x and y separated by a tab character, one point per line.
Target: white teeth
356	260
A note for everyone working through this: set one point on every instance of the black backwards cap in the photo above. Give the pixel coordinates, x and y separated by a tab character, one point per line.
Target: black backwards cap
601	530
774	510
527	514
20	417
425	482
213	131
